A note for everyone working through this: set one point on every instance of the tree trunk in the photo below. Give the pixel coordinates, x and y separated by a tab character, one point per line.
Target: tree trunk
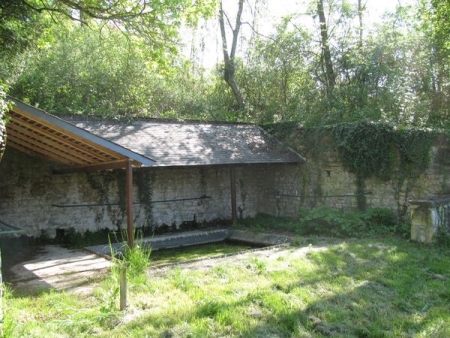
360	17
2	137
228	57
326	54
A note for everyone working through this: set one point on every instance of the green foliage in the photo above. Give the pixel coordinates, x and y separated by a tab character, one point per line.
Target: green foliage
266	223
139	259
104	73
392	72
144	181
438	18
181	280
326	221
366	149
135	71
4	106
378	150
414	146
258	265
277	80
97	69
204	251
158	22
386	287
331	222
443	237
4	103
370	149
136	258
87	72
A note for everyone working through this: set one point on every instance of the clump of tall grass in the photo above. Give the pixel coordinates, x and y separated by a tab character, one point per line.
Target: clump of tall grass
135	258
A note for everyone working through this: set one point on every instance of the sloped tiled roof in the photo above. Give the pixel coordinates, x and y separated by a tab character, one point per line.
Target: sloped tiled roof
37	133
194	143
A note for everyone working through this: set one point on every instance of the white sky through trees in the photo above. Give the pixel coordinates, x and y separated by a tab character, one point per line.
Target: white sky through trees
204	45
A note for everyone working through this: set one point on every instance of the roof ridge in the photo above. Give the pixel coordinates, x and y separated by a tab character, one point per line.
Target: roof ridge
91	118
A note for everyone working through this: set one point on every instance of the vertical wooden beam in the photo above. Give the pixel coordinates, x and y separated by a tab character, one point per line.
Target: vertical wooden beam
123	286
233	194
129	199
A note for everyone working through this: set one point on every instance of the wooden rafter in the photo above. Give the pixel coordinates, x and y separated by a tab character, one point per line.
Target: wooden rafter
37	133
15	145
43	134
50	140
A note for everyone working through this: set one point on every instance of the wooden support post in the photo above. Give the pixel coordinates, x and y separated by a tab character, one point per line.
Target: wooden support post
123	286
129	199
233	194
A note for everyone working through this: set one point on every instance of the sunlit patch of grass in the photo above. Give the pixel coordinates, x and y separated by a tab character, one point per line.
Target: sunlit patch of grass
176	255
358	288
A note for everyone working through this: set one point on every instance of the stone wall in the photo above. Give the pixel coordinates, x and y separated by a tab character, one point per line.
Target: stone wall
325	182
36	200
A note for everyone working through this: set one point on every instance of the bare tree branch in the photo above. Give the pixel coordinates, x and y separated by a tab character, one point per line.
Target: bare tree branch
229	67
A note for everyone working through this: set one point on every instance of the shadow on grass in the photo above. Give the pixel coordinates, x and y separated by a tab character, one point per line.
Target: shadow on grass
368	290
360	289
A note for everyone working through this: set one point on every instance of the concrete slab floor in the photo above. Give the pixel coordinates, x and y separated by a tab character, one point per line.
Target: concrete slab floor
55	267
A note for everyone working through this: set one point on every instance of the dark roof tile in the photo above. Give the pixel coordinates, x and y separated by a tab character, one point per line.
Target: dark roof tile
194	143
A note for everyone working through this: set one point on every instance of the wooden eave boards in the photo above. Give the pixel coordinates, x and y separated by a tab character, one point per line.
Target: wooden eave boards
37	133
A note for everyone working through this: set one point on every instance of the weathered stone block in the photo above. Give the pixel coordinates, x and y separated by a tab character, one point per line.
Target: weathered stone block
423	226
427	216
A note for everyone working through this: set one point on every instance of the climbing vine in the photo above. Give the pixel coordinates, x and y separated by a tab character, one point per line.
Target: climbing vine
144	180
366	149
382	151
102	183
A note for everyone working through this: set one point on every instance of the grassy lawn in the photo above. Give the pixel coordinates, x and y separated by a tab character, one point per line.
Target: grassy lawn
355	288
178	255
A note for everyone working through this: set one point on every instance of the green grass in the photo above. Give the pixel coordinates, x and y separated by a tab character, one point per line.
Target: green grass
356	288
326	221
189	253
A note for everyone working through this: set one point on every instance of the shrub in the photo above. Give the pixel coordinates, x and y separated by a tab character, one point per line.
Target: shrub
326	221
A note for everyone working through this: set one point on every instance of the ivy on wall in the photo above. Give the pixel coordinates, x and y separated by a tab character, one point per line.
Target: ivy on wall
144	179
366	149
103	182
380	150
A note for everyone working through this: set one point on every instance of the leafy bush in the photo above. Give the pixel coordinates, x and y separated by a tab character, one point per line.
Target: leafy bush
266	223
333	222
380	217
325	221
443	237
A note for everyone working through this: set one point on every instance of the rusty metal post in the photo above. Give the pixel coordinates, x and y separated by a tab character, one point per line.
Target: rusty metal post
233	194
129	199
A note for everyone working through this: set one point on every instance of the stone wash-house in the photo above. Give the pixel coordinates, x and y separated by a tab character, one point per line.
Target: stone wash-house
69	173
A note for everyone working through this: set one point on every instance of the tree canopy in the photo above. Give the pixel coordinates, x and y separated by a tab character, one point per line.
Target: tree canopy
324	65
